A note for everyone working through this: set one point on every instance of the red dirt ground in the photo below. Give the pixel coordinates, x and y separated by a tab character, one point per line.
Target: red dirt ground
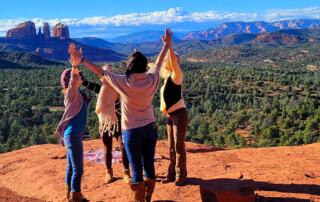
277	173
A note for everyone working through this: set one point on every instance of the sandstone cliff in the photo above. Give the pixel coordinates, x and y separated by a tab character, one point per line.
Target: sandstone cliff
60	31
46	31
23	30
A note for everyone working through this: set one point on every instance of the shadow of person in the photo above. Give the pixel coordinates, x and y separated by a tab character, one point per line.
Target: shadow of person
201	149
247	186
279	199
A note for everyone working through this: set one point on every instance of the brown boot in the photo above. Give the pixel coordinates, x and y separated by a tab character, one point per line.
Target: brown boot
126	176
77	197
109	176
138	192
150	185
68	189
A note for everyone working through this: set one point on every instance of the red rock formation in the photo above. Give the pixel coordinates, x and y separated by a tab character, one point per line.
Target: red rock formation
46	31
60	31
276	38
23	30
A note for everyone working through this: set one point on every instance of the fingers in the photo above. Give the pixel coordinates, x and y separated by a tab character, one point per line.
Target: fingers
167	31
163	38
168	35
72	50
73	45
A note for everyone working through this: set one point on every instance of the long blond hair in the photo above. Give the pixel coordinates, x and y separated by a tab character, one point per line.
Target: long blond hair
165	72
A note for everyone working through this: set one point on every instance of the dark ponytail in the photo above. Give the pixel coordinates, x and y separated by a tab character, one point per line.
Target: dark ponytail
137	63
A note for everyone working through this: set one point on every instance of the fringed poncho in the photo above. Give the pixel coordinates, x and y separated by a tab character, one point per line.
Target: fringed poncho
105	109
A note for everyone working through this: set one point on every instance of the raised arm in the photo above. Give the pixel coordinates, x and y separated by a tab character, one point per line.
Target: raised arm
75	80
74	52
162	55
177	74
93	67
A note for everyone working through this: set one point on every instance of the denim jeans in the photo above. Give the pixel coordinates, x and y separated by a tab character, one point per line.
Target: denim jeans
74	146
140	144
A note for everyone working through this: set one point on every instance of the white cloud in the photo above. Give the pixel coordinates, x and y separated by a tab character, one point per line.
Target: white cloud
172	15
288	14
216	16
8	24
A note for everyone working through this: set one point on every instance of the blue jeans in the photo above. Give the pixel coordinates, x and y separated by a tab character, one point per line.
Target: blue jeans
74	146
140	144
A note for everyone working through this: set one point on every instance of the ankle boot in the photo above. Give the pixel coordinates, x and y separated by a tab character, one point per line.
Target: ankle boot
68	189
126	176
77	197
109	176
150	185
138	192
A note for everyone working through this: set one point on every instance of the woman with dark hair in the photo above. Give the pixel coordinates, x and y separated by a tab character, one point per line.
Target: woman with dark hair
136	89
173	107
107	139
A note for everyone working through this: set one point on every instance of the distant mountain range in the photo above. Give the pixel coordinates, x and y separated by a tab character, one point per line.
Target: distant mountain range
280	37
145	36
94	41
100	50
221	31
15	56
259	27
231	33
56	49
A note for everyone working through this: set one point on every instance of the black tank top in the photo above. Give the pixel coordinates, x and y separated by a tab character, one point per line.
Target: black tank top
171	93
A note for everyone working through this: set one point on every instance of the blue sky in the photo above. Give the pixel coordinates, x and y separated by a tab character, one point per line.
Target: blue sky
85	8
105	18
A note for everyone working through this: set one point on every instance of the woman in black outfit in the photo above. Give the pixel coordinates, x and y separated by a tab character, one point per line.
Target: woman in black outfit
107	140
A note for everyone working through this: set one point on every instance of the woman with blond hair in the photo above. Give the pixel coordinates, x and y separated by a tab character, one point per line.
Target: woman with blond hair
173	107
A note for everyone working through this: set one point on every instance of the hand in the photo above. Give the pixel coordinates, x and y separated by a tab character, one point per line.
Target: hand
168	37
164	40
74	52
75	61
